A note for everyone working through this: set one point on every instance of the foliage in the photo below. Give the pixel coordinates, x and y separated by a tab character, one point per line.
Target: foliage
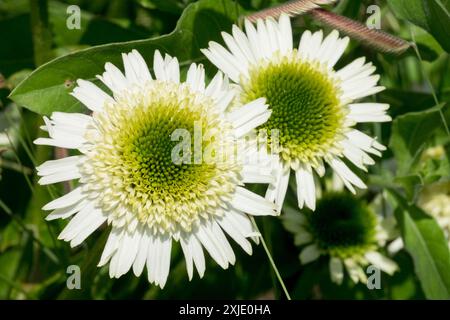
33	262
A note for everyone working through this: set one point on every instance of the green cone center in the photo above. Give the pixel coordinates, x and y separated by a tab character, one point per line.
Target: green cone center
305	105
342	225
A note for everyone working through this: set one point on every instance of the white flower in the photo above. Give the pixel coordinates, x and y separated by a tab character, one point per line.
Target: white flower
314	107
345	230
435	200
128	178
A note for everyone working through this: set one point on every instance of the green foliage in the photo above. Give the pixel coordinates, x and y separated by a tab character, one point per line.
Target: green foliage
47	91
431	15
425	242
33	262
411	134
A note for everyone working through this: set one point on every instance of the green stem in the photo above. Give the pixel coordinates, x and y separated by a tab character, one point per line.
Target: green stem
268	238
272	263
427	79
42	37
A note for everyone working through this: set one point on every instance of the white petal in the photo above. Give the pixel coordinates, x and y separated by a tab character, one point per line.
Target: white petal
212	245
328	46
338	51
351	69
127	251
243	43
276	192
336	270
187	256
196	77
158	66
306	190
235	49
113	78
142	253
309	254
66	212
382	262
304	44
66	200
111	246
395	246
348	177
285	33
96	219
263	38
61	143
253	39
197	255
136	70
302	237
251	203
358	157
164	263
256	174
314	44
355	271
172	69
90	95
233	232
365	142
223	60
53	171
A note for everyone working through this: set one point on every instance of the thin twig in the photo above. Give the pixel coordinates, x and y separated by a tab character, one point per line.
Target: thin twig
427	79
272	262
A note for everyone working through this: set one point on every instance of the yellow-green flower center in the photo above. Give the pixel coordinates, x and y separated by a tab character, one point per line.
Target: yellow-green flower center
137	170
305	103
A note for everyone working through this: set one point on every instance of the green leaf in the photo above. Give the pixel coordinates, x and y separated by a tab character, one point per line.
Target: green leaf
439	22
410	132
411	10
426	243
430	15
9	262
47	89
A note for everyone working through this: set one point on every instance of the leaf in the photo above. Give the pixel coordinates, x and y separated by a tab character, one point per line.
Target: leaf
9	262
426	243
410	132
439	21
47	89
404	101
430	15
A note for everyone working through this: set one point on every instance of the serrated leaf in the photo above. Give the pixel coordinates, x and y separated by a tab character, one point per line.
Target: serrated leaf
426	243
47	89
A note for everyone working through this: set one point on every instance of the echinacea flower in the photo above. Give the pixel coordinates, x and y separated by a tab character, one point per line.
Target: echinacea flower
129	178
314	107
434	199
346	231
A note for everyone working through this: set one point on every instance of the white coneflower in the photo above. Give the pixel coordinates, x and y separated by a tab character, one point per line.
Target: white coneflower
435	200
345	230
313	106
128	178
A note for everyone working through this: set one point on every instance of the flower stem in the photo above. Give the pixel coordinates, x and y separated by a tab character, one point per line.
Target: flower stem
427	79
272	262
42	38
